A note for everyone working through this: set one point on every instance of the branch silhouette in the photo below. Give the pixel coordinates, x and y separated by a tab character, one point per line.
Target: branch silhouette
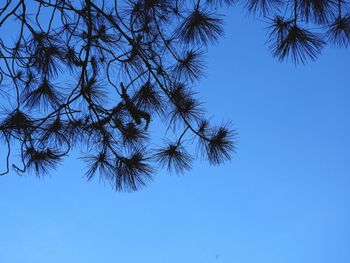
94	75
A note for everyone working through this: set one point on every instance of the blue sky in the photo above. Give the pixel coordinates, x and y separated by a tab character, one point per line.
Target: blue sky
285	196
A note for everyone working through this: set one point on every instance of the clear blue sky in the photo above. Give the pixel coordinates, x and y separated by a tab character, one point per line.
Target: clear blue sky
285	197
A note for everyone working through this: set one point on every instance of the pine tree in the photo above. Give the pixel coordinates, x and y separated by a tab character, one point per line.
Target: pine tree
95	75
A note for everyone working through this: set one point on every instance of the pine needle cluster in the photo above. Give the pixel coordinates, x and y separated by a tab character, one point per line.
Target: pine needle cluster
96	75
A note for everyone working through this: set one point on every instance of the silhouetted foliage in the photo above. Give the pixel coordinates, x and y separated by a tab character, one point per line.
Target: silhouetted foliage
305	26
96	74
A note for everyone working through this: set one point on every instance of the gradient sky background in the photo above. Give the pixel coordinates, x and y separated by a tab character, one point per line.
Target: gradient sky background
285	197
